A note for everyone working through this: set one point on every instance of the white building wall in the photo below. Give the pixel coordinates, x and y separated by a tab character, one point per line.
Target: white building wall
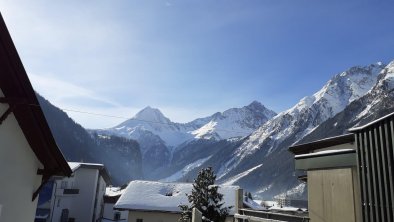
100	199
18	172
60	201
81	205
86	181
109	212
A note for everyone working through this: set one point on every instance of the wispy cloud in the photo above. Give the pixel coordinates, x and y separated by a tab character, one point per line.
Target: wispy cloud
60	92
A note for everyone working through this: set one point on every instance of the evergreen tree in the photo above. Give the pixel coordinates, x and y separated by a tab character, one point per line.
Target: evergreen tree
206	198
250	196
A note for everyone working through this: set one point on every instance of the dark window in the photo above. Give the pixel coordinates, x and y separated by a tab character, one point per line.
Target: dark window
139	220
117	216
71	191
64	217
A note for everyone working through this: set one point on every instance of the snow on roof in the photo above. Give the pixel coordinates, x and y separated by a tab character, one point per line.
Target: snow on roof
324	152
114	191
289	209
253	204
267	203
103	171
159	196
75	165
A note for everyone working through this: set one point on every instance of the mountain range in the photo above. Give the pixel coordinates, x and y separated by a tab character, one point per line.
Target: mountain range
160	138
245	146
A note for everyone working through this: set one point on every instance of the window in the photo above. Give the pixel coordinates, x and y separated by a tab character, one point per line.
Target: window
139	220
63	185
117	216
71	191
64	216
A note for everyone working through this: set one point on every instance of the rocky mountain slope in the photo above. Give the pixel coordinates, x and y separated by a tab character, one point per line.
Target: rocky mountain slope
121	156
160	138
368	94
235	122
262	164
378	102
245	146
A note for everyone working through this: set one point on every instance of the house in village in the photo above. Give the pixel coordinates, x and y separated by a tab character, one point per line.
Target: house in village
79	197
350	177
29	156
148	201
112	195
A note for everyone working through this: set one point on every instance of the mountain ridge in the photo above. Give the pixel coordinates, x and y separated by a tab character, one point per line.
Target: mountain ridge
159	137
256	159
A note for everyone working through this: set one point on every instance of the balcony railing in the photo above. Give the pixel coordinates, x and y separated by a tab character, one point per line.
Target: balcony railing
265	216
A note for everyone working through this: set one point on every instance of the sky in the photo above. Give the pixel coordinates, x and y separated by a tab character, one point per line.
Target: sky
191	58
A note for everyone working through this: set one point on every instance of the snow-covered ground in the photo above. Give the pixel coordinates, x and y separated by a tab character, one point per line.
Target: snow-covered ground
178	175
235	178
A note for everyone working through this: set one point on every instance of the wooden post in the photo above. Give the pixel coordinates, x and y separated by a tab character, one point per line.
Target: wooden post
196	215
239	200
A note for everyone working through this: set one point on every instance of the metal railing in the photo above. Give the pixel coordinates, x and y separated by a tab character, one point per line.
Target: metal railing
265	216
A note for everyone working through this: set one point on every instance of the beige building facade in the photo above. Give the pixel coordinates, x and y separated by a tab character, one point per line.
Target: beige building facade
333	195
332	181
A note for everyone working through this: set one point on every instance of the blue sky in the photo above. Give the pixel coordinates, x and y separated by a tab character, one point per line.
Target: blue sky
191	58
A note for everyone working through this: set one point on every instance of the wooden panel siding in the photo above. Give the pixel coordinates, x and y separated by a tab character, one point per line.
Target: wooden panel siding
375	158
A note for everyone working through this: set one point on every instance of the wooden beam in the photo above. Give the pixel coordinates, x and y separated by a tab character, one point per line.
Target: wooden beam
6	113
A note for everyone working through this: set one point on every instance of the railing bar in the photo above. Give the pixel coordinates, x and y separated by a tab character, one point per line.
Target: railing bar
378	152
374	182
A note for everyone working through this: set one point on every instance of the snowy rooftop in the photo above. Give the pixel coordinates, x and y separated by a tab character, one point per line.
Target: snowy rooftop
113	191
158	196
75	165
103	171
325	152
252	204
288	208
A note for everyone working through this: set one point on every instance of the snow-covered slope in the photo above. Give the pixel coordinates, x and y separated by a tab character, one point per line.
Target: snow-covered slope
261	162
309	112
378	102
235	122
153	121
159	137
185	170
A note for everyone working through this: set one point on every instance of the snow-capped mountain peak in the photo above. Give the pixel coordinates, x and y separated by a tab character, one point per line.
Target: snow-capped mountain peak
310	111
152	115
235	122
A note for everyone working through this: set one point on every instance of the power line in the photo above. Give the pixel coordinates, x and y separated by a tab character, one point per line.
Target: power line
95	114
127	118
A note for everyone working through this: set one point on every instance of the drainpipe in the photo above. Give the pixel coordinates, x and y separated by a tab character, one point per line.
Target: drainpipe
54	200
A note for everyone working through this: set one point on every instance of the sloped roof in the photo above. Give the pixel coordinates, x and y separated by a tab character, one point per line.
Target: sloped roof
359	128
102	170
20	96
165	197
320	144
